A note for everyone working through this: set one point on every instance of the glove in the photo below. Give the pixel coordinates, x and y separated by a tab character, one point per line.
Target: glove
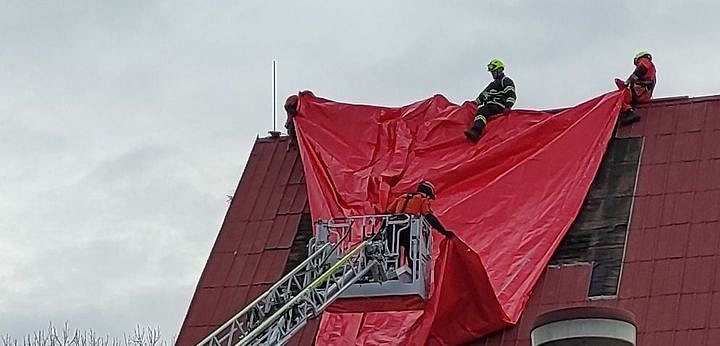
621	84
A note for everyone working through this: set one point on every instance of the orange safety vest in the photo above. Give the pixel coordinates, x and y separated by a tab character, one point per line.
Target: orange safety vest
412	203
647	80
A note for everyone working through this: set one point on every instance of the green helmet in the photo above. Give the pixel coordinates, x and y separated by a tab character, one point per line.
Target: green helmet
642	54
495	64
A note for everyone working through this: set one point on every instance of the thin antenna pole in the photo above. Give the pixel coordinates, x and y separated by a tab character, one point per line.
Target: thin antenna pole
274	93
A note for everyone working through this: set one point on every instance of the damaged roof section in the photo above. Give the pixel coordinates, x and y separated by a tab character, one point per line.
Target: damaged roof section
599	233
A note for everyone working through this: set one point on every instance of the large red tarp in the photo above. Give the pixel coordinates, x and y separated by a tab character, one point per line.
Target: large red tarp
510	199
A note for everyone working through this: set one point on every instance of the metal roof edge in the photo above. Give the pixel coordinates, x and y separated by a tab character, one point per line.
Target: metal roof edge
658	102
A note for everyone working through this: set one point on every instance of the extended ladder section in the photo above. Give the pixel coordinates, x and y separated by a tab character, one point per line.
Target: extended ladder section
349	257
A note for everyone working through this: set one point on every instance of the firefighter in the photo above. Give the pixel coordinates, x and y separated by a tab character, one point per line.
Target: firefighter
497	99
641	84
291	110
416	203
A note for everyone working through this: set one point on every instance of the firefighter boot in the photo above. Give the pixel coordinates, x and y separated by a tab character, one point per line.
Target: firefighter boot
628	117
475	132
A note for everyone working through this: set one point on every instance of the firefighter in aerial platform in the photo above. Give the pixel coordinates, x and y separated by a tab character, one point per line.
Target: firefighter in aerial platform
416	203
641	84
497	99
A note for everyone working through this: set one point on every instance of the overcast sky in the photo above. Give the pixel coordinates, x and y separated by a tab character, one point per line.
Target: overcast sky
123	124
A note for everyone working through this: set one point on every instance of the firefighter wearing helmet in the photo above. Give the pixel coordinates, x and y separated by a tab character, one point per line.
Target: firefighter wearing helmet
417	203
497	99
640	85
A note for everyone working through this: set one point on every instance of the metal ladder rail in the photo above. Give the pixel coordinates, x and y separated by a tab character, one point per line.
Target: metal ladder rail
280	304
257	311
311	301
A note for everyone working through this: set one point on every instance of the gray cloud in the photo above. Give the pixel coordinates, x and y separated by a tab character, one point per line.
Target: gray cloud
124	124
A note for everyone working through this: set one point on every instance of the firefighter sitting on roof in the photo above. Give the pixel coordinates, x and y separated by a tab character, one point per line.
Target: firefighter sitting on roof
497	99
641	84
416	203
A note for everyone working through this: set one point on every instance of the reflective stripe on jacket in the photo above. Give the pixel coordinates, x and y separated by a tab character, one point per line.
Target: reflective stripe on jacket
500	91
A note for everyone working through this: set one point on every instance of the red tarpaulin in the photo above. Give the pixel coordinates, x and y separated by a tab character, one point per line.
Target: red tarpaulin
510	199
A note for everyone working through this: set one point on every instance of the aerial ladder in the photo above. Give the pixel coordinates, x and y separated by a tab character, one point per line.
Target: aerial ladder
348	257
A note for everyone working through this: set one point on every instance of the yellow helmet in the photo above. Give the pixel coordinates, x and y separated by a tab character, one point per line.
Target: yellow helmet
642	54
495	64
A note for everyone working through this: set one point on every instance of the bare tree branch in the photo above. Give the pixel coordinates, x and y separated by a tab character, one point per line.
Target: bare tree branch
141	336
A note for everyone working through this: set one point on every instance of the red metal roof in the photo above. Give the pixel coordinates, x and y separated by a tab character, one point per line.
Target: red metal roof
671	273
671	270
252	248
